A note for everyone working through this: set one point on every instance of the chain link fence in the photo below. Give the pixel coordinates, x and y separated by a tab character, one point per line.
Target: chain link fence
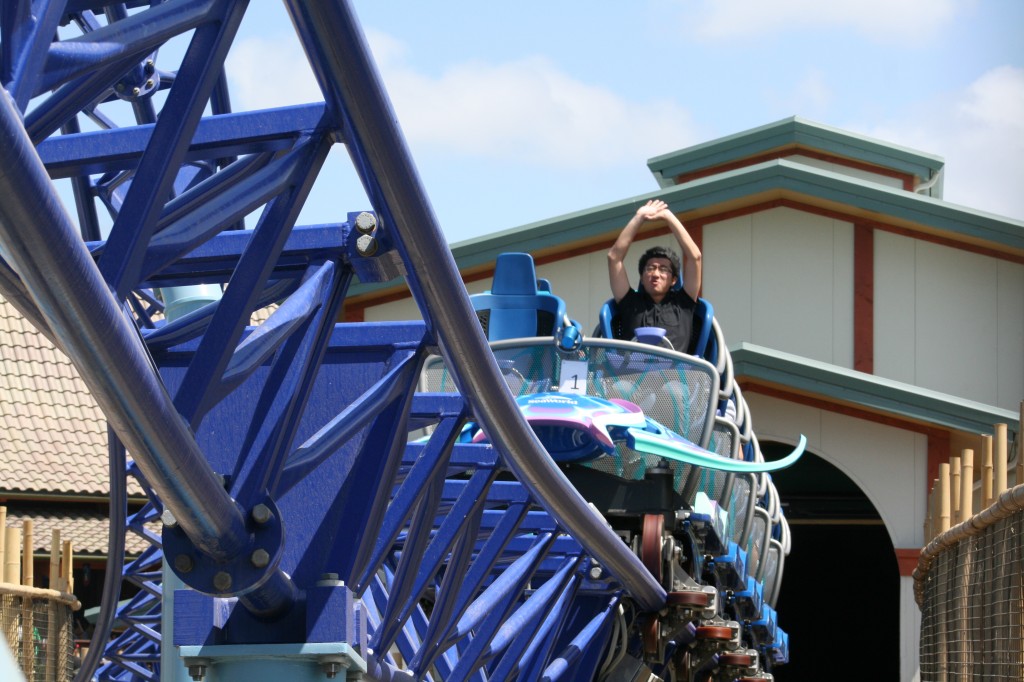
969	585
37	626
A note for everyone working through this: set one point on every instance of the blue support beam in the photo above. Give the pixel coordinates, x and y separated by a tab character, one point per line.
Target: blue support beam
298	506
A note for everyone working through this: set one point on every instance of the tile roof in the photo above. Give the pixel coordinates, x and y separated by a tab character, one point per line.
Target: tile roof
53	436
87	530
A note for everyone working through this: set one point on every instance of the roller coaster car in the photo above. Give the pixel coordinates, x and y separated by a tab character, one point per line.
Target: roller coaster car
631	423
639	430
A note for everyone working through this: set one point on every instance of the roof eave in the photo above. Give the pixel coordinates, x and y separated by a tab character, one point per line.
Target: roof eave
893	398
788	133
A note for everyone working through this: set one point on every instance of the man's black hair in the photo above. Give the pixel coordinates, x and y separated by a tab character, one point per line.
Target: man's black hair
660	252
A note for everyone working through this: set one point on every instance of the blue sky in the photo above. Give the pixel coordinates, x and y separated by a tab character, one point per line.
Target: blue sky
522	112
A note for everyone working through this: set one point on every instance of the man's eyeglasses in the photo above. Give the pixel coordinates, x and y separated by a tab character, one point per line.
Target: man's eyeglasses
651	268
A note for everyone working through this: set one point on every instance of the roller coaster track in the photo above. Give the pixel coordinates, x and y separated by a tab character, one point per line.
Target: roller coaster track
275	453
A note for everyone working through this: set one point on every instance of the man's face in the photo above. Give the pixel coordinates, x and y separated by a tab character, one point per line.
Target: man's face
657	278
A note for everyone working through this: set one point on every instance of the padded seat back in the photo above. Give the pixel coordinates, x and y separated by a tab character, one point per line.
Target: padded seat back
514	307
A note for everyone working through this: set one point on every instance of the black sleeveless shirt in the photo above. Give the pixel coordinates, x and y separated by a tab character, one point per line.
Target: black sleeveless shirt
674	314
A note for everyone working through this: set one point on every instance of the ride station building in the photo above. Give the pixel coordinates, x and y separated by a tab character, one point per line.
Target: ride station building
861	310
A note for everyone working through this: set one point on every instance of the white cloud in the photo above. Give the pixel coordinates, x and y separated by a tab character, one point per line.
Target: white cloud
811	96
524	111
270	72
883	20
386	49
997	100
979	131
529	111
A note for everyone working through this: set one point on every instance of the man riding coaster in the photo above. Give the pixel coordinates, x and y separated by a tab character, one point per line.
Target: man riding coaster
657	303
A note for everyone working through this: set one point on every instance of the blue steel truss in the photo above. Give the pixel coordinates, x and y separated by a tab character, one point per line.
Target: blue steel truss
300	488
275	453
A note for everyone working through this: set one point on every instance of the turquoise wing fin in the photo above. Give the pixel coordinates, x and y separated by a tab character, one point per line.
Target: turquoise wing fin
688	453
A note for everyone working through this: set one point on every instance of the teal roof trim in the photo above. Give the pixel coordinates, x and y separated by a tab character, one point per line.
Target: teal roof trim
888	202
779	176
892	397
788	132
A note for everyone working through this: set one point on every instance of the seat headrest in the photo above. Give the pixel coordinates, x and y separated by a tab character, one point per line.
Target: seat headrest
514	274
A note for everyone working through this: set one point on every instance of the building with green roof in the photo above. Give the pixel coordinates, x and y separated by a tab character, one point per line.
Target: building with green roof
860	308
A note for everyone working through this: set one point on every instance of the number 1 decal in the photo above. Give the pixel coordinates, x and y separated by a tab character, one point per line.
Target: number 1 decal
573	377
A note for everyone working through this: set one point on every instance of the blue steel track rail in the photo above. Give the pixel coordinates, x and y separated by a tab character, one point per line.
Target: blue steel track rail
277	450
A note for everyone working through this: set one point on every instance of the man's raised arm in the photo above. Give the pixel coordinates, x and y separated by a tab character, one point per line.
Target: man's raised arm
618	278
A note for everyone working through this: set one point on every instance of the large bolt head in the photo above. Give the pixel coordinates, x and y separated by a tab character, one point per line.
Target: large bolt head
222	581
366	245
260	558
366	222
261	513
183	563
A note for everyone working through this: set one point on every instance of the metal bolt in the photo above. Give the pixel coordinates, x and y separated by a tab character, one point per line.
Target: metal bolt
222	581
332	665
149	83
261	514
366	222
150	66
183	563
330	580
366	245
595	572
136	91
197	672
168	518
119	87
260	558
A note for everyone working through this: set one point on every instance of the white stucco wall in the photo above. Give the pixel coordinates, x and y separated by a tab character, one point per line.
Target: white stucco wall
783	279
910	632
949	320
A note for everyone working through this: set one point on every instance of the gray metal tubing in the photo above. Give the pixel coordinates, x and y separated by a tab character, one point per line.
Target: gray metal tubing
45	250
352	86
12	289
115	558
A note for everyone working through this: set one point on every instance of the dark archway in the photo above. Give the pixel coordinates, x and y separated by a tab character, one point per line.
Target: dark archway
839	599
